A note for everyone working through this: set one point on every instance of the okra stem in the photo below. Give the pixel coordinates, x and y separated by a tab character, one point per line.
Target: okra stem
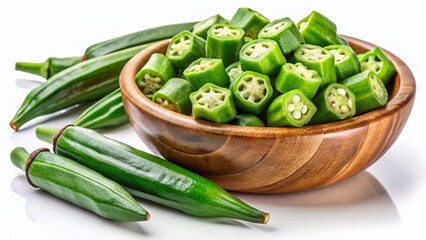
19	157
46	133
39	69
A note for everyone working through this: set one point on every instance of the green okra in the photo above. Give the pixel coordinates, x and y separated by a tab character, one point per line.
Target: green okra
185	48
201	28
284	32
206	70
233	70
135	39
318	30
224	41
346	62
49	67
249	20
375	60
263	56
149	177
292	108
318	59
77	184
174	95
88	80
334	103
248	120
297	76
369	90
252	92
107	112
213	103
156	71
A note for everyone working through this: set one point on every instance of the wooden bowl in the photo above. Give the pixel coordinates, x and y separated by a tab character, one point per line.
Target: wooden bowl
269	159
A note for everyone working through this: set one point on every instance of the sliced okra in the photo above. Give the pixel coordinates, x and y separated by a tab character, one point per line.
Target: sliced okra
335	102
252	92
292	108
206	70
346	62
369	90
298	76
233	70
375	60
284	32
248	120
224	41
249	20
319	30
200	29
263	56
213	103
185	48
157	70
174	95
318	59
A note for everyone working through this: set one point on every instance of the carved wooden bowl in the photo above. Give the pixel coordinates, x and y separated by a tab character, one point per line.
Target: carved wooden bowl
269	159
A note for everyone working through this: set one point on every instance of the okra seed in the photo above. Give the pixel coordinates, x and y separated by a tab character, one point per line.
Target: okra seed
256	50
303	26
333	104
350	103
225	32
291	107
304	109
344	109
295	99
341	92
165	104
297	114
150	83
275	28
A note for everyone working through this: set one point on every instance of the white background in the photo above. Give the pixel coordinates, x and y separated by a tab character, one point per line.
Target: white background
385	202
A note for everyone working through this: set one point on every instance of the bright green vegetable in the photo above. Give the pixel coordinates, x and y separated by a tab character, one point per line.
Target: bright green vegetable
224	41
137	38
206	70
77	184
249	20
233	70
106	113
213	103
156	71
248	120
292	108
346	62
150	177
185	48
174	95
263	56
375	60
88	80
318	59
298	76
369	90
252	92
335	102
201	28
284	32
49	67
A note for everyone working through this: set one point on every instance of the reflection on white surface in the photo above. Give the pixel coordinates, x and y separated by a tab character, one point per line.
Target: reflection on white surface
27	83
360	201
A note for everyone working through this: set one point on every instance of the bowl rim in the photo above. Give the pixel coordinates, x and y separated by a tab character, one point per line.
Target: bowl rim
404	84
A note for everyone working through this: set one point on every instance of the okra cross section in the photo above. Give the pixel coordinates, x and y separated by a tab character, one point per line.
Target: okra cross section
185	48
206	70
346	62
292	108
263	56
201	28
213	103
252	92
233	70
369	91
284	32
224	42
157	70
375	60
318	59
335	102
174	95
249	20
298	76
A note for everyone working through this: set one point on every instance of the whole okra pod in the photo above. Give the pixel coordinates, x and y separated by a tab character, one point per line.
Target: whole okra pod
148	176
75	183
49	67
88	80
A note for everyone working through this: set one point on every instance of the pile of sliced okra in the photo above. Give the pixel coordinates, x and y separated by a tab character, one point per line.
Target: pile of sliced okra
250	71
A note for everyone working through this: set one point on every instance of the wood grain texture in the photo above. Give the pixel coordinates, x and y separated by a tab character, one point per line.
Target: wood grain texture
267	159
